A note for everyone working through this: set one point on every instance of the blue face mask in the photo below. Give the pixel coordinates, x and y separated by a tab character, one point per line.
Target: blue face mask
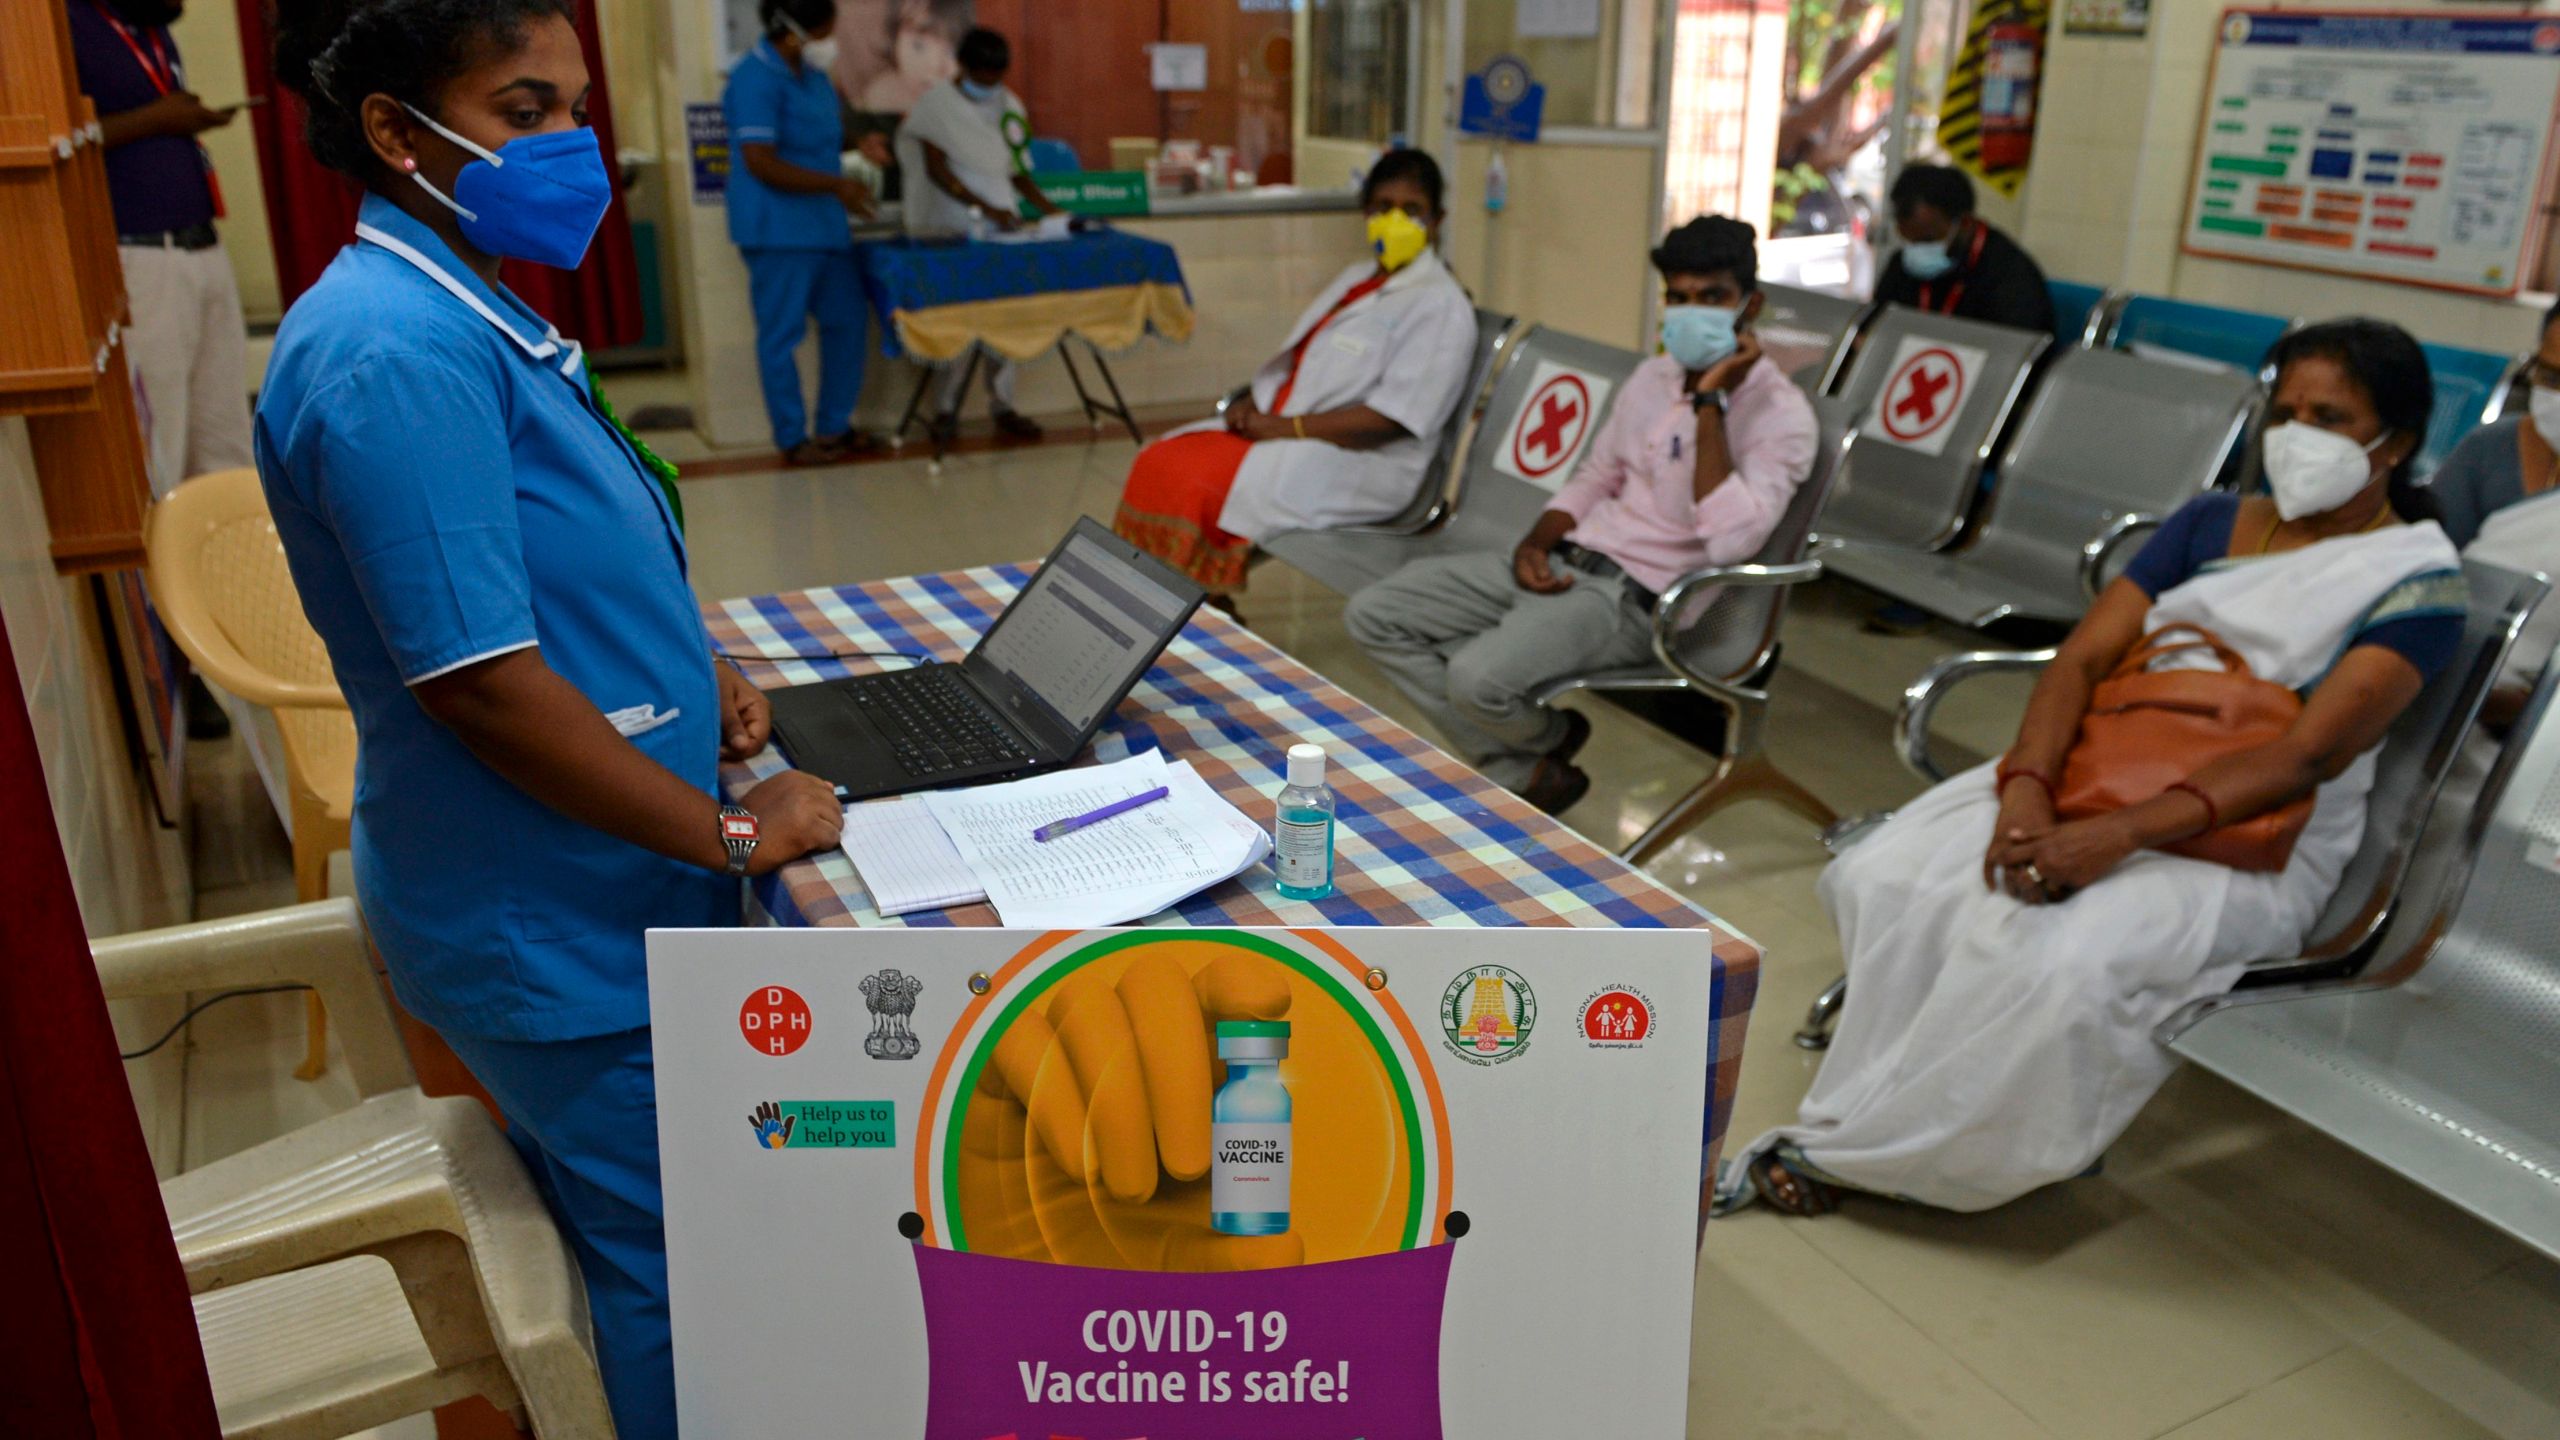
1698	335
1927	259
976	91
539	198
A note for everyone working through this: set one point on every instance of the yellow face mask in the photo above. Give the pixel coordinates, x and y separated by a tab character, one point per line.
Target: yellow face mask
1396	238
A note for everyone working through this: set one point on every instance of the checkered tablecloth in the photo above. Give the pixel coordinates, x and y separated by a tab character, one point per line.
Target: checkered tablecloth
1421	840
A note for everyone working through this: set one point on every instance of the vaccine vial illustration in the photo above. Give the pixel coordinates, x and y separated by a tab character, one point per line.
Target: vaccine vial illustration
1302	831
1249	1131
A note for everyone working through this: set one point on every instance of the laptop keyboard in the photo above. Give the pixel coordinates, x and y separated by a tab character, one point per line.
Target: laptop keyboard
934	722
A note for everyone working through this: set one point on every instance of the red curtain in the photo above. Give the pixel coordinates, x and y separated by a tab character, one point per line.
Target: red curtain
311	210
102	1340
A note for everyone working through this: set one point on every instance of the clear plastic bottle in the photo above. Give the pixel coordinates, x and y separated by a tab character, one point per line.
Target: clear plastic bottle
1302	832
1249	1138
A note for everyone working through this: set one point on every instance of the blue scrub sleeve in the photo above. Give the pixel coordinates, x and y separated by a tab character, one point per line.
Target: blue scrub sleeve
411	470
2195	534
752	106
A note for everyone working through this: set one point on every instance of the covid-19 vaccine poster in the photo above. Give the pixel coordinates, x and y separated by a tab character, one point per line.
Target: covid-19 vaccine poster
1376	1184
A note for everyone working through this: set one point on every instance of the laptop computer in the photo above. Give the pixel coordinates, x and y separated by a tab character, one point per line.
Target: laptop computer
1028	698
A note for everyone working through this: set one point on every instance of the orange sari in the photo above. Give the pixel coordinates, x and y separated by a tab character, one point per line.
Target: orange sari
1177	487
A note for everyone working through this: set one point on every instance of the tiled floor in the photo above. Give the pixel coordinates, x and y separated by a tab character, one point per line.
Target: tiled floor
2232	1273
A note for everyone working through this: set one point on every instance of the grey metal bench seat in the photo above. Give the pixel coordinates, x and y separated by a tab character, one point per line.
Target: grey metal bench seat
1471	504
2109	445
2417	755
1928	421
2443	1064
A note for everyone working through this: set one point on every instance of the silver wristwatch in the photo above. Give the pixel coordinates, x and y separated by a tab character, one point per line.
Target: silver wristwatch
739	832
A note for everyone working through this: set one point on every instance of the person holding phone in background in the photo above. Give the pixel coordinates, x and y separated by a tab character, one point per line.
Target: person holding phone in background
1703	448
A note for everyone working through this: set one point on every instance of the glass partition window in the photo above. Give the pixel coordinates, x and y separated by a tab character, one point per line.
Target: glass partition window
1361	54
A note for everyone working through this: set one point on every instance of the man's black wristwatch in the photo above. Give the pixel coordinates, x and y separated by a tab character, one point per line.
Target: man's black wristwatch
1701	400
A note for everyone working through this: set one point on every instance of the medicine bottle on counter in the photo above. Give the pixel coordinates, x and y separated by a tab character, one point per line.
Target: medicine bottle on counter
1249	1131
1302	831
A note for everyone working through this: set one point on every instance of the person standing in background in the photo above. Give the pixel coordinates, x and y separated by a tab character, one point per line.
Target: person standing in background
788	202
186	343
961	177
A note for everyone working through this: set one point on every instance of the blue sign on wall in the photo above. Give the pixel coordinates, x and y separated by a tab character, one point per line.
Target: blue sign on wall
706	133
1501	102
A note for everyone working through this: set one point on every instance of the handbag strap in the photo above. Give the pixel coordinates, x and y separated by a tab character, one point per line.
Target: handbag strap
2154	645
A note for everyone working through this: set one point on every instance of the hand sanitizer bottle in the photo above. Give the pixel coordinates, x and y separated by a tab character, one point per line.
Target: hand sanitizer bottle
1249	1131
1302	834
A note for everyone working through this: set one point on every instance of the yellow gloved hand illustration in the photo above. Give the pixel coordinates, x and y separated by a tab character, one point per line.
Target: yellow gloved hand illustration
1087	1141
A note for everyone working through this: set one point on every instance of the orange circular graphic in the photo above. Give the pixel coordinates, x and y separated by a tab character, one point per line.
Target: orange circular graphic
1074	1111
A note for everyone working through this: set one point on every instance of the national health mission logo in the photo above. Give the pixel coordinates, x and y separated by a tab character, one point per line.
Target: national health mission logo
1487	1013
1619	1017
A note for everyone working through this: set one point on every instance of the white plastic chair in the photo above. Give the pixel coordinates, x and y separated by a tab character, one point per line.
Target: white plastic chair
389	1259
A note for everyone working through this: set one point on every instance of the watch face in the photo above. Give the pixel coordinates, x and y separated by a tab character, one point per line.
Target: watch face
738	827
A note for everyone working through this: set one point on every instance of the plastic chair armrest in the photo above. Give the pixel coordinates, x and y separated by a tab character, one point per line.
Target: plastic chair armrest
1667	610
2094	555
349	1225
1920	699
321	945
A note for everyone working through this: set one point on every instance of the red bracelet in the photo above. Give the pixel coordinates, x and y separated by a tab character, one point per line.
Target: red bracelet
2212	812
2007	773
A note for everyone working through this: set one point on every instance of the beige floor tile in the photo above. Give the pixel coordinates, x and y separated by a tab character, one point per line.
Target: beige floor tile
2346	1396
1787	1345
2089	1310
240	1085
2487	1349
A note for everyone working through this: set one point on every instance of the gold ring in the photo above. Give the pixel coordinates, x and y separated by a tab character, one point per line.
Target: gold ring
2035	874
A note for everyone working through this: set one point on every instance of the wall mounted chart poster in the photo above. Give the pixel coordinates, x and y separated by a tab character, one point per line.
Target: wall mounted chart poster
2406	147
1181	1184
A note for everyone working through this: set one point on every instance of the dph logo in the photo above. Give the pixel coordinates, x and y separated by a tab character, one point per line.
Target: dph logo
775	1020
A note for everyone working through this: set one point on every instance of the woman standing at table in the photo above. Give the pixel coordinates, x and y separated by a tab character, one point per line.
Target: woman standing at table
500	579
788	198
1340	425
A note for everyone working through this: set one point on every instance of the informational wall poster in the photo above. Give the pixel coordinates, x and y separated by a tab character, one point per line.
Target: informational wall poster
1550	433
706	134
2404	147
1181	1185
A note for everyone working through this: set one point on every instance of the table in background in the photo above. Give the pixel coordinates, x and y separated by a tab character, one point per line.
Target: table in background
941	299
1420	838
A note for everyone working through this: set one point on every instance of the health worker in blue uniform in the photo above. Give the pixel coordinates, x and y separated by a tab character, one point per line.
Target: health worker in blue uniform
788	198
499	574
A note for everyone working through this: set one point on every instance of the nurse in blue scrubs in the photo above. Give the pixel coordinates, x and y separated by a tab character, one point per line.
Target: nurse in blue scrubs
788	199
499	574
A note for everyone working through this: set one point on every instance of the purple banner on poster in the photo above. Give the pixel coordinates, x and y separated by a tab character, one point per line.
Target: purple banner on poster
1343	1351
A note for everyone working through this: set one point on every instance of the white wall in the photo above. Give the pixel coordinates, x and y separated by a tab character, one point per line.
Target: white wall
128	872
2106	201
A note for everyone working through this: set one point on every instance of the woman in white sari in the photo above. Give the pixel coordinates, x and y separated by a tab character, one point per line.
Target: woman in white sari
2006	968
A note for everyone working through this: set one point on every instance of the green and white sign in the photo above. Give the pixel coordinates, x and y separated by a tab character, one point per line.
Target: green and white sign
1096	192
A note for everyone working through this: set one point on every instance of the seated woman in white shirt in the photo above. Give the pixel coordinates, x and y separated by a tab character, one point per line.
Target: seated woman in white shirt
2006	966
1341	423
2496	494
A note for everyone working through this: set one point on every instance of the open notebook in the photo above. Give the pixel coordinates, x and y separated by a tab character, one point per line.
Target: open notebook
907	861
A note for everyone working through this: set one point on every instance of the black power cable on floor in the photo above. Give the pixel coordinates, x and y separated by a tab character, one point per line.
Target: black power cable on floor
203	1005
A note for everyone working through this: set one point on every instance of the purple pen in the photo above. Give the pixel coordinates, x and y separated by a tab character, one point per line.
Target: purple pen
1073	823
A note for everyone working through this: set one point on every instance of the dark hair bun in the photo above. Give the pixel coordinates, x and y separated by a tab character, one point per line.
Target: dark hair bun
335	53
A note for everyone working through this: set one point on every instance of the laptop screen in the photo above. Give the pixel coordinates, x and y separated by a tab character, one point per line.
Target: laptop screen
1083	629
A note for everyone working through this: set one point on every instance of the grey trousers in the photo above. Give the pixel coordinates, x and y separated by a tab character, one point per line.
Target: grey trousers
1459	635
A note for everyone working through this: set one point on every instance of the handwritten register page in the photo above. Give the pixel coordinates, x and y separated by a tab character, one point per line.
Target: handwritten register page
1124	868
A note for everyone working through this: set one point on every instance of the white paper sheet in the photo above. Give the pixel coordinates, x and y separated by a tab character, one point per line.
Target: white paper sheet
1124	868
905	859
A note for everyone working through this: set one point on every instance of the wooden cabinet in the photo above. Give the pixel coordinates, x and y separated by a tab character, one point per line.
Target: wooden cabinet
61	326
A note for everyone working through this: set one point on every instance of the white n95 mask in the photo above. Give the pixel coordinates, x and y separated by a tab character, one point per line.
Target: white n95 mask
2546	415
2313	471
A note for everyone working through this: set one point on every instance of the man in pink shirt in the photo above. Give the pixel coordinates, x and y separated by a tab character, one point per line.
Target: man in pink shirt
1703	449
